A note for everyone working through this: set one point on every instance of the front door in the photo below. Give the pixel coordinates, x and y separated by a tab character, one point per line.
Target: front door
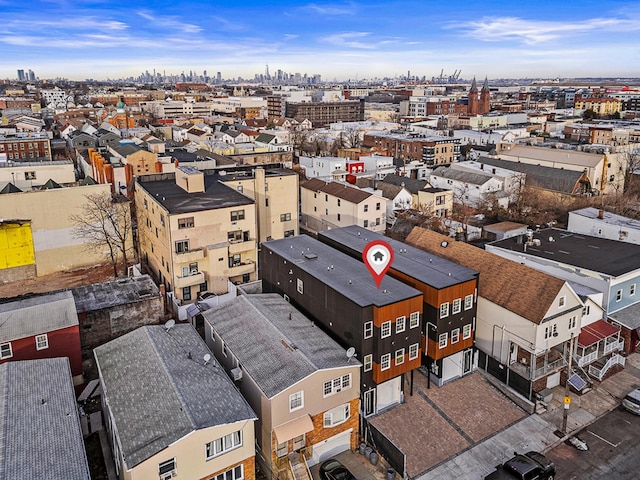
467	361
369	403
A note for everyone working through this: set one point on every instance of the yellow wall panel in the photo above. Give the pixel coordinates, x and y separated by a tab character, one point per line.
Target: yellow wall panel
16	245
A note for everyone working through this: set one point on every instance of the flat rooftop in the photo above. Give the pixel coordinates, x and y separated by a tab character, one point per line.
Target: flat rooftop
339	271
426	267
601	255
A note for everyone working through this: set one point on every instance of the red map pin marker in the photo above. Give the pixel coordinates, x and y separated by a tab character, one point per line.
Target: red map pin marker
377	256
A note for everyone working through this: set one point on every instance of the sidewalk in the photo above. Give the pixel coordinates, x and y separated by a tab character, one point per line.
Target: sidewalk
536	432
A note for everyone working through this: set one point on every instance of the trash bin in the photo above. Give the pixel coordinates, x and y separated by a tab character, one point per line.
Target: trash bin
367	452
362	447
373	458
391	474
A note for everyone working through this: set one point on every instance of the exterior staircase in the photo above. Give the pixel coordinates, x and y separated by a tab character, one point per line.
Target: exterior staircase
298	466
599	368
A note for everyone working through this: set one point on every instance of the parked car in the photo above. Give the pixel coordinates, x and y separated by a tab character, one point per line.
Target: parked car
631	401
332	469
531	465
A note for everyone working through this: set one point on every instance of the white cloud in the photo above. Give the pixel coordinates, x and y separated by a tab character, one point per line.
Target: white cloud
532	32
331	9
170	23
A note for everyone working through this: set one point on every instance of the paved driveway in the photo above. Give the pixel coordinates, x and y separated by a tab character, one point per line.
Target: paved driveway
438	423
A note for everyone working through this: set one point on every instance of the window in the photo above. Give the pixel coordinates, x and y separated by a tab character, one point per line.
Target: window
42	342
235	260
365	224
237	215
366	208
442	340
234	236
29	175
413	351
336	416
385	361
385	329
338	202
455	335
236	473
368	329
619	295
296	401
456	306
289	233
414	320
562	301
186	222
167	469
339	217
368	362
182	246
5	351
285	217
468	302
466	331
586	310
546	332
224	444
632	289
186	293
400	356
336	385
377	205
572	322
400	324
444	309
300	286
162	220
266	202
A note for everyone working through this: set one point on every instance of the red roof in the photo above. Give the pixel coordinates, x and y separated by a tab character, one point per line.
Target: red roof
596	331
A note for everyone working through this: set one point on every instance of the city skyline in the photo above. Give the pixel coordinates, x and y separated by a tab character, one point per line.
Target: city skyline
338	40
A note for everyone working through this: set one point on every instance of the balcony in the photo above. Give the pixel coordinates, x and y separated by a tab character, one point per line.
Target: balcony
190	256
248	266
190	280
239	246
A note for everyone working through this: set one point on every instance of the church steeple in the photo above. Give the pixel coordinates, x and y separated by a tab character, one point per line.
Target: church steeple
472	103
484	106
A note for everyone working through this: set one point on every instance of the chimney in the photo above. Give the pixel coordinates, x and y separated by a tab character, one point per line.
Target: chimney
190	179
601	214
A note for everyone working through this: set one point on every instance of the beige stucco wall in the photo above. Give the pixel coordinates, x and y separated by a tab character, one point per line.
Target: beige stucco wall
208	245
190	456
350	213
60	172
281	192
56	247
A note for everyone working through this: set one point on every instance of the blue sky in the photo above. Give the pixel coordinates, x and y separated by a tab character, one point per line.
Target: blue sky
341	40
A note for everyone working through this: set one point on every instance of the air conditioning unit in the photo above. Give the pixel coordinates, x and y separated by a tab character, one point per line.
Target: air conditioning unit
236	373
194	271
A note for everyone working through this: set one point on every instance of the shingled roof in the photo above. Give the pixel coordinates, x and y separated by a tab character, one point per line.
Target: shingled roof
160	389
274	342
515	287
337	189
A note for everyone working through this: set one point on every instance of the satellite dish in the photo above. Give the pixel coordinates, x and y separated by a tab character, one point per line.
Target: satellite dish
351	351
207	357
169	324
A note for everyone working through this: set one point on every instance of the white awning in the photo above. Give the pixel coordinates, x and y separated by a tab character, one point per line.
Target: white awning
294	428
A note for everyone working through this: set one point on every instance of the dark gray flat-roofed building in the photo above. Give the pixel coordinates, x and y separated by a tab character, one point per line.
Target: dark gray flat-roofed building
176	200
339	271
338	292
414	262
442	283
40	435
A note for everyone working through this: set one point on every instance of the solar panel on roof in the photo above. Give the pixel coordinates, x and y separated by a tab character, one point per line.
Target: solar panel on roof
577	382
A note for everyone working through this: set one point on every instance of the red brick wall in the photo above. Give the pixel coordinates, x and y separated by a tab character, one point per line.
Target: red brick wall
249	470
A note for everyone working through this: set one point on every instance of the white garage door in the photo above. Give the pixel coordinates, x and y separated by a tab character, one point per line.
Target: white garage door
553	380
331	446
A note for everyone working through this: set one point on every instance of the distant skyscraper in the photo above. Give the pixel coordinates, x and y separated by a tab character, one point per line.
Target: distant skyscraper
21	76
32	76
219	77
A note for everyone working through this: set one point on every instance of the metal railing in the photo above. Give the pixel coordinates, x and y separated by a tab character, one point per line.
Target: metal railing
599	373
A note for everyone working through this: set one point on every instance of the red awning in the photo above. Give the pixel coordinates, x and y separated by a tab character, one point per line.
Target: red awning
596	331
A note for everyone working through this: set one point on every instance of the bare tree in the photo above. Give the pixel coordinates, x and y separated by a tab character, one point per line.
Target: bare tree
631	165
105	224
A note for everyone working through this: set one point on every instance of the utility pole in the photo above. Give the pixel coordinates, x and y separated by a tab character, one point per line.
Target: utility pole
567	398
